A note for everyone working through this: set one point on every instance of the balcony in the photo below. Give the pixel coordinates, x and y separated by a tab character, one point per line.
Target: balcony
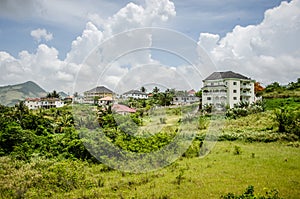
247	86
214	93
247	94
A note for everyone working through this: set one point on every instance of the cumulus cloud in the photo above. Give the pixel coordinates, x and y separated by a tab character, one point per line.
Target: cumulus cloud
44	66
41	34
267	52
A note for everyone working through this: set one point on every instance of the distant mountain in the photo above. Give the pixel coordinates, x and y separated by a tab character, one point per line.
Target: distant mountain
12	94
63	94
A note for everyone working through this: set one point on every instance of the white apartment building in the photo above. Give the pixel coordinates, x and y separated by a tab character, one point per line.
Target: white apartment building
227	88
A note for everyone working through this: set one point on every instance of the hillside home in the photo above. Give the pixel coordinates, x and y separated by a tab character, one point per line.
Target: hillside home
185	97
227	88
136	94
97	93
45	103
105	101
122	109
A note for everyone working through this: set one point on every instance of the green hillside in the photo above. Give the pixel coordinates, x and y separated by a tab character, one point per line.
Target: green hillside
12	94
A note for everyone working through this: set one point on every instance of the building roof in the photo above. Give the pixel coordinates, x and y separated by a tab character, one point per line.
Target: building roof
134	92
99	89
106	99
226	75
33	99
122	108
192	92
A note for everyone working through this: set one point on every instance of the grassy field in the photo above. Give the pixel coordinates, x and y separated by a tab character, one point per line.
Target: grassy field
266	166
249	151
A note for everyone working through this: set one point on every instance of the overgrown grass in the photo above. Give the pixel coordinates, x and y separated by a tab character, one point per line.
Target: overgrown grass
291	102
265	166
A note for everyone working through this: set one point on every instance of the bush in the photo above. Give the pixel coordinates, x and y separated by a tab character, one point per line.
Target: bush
249	194
288	121
243	109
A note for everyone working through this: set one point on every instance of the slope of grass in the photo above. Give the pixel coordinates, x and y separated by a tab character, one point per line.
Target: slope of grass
291	102
265	166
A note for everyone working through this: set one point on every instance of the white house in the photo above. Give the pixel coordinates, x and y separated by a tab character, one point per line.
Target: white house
136	94
32	103
227	88
46	103
185	97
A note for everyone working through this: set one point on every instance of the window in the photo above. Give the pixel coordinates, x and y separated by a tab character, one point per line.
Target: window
234	91
208	98
234	83
234	98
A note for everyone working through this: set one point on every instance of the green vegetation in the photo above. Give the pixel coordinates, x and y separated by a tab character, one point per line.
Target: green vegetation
274	166
42	155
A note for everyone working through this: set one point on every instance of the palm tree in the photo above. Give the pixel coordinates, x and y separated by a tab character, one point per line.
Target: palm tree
155	89
143	89
54	94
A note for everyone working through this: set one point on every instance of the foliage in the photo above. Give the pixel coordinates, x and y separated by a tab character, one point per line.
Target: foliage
237	150
46	133
258	89
217	173
243	109
288	121
275	90
53	94
274	103
249	194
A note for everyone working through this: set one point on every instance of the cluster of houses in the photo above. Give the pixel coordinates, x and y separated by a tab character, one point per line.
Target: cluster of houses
220	89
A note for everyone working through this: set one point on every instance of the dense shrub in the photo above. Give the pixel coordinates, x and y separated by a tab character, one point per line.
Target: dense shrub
243	109
288	121
249	194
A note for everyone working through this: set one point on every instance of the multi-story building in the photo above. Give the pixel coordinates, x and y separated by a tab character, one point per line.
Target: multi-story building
97	93
222	89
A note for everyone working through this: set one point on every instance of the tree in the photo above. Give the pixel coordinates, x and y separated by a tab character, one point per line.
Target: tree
54	94
155	89
275	86
258	88
165	99
76	94
199	94
143	89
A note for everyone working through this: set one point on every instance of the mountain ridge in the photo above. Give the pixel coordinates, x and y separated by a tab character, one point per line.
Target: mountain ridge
12	94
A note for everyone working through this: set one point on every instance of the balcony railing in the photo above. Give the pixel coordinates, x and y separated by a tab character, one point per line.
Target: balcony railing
215	93
246	94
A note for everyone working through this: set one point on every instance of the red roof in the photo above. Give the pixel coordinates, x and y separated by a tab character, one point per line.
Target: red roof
192	92
106	99
122	108
32	99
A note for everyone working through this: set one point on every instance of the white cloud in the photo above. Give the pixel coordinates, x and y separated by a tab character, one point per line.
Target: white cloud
269	51
41	34
44	66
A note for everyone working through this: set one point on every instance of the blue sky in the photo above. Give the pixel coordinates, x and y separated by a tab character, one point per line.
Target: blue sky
192	18
47	41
